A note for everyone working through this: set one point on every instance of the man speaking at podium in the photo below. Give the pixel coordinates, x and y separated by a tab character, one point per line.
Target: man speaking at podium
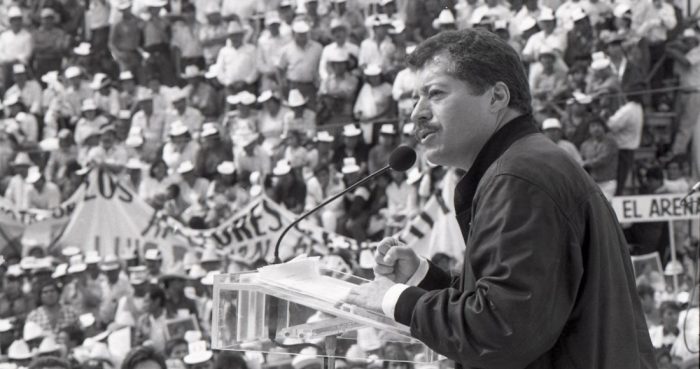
547	279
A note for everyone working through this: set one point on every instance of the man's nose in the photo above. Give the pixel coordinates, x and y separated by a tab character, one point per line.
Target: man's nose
421	112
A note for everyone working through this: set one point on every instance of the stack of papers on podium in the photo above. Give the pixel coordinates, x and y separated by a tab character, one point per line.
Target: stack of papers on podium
304	276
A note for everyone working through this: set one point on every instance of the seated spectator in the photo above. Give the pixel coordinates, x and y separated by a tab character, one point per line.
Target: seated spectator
190	186
244	118
295	153
286	187
184	113
355	220
13	301
271	118
150	124
212	152
15	190
27	89
340	46
553	130
599	153
40	193
226	195
251	157
180	146
379	154
664	334
155	183
20	124
109	155
90	121
51	315
200	95
674	180
353	146
236	62
377	50
106	98
324	183
301	117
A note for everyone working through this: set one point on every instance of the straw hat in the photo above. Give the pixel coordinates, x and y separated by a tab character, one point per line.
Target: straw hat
296	99
61	271
350	130
226	168
185	167
546	15
88	105
208	280
337	55
33	175
209	129
388	129
138	274
86	320
445	18
126	75
49	345
153	254
300	27
192	71
14	12
83	49
123	4
267	95
110	263
177	128
32	331
235	28
282	168
246	98
579	14
551	123
19	350
22	158
19	68
72	72
92	257
350	166
372	70
324	136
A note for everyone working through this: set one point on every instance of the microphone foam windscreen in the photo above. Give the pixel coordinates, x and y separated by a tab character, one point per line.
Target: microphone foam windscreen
402	158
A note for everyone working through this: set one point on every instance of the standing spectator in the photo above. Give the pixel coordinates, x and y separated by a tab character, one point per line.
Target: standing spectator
50	43
492	9
236	64
378	155
51	315
156	183
298	65
570	12
553	130
581	39
150	124
184	113
128	91
373	102
156	41
402	90
351	18
151	326
323	184
686	54
531	9
191	187
626	129
114	286
186	47
378	49
214	33
200	95
270	46
549	84
97	25
125	38
271	117
339	30
252	158
599	153
549	37
16	44
20	124
109	155
338	88
244	119
90	121
41	194
57	165
287	187
15	191
357	204
628	71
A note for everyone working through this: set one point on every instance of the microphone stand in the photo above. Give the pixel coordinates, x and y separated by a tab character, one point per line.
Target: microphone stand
319	206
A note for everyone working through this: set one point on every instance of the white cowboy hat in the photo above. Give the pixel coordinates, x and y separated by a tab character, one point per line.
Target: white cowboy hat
83	49
226	168
350	166
19	350
551	123
296	99
282	168
185	167
350	130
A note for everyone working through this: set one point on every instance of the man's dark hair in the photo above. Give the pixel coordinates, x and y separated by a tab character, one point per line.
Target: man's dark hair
668	305
230	360
49	362
644	290
74	333
142	354
655	173
171	344
157	293
481	59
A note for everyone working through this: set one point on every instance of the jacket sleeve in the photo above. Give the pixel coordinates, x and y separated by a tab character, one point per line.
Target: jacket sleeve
524	264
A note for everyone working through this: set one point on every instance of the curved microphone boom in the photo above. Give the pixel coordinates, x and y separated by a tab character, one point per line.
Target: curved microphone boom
401	159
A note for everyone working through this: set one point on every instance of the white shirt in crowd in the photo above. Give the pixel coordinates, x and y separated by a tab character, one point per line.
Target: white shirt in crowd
626	126
15	46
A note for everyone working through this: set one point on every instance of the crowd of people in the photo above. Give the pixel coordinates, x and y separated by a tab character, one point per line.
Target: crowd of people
203	105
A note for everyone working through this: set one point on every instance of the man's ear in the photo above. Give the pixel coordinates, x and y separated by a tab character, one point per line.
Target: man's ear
500	97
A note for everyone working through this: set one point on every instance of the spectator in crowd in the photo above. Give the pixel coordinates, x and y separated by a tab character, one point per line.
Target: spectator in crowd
180	146
40	193
51	315
355	220
552	128
664	334
144	356
287	187
270	46
236	62
14	301
15	190
626	129
300	117
299	62
27	89
186	46
338	87
600	157
151	326
373	102
15	43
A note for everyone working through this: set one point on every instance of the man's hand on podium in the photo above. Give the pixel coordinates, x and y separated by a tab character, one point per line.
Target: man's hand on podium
395	260
370	295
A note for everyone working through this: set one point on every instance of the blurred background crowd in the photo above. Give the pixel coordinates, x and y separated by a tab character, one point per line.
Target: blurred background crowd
201	106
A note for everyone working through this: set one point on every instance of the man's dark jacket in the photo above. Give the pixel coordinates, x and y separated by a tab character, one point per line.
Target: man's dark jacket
547	279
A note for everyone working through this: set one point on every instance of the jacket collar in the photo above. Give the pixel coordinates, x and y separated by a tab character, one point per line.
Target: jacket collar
492	150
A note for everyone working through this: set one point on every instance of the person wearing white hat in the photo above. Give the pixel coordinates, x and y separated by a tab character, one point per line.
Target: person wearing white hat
106	97
271	117
373	102
272	39
19	124
288	188
15	191
325	180
187	47
150	124
355	219
154	262
15	42
530	9
200	95
213	32
191	186
445	21
339	31
200	359
109	154
19	353
183	112
123	36
338	86
388	140
552	128
549	84
299	62
50	42
236	64
225	192
491	9
114	286
90	121
29	90
41	194
379	48
300	117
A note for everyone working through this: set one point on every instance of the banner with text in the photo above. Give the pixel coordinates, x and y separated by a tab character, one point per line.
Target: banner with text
656	208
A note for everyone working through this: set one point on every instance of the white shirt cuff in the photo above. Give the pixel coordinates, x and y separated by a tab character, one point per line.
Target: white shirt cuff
419	274
391	297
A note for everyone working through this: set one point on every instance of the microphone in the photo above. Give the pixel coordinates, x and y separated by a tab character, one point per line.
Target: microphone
693	190
400	160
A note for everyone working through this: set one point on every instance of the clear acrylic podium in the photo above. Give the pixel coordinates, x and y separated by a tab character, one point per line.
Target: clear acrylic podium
299	302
